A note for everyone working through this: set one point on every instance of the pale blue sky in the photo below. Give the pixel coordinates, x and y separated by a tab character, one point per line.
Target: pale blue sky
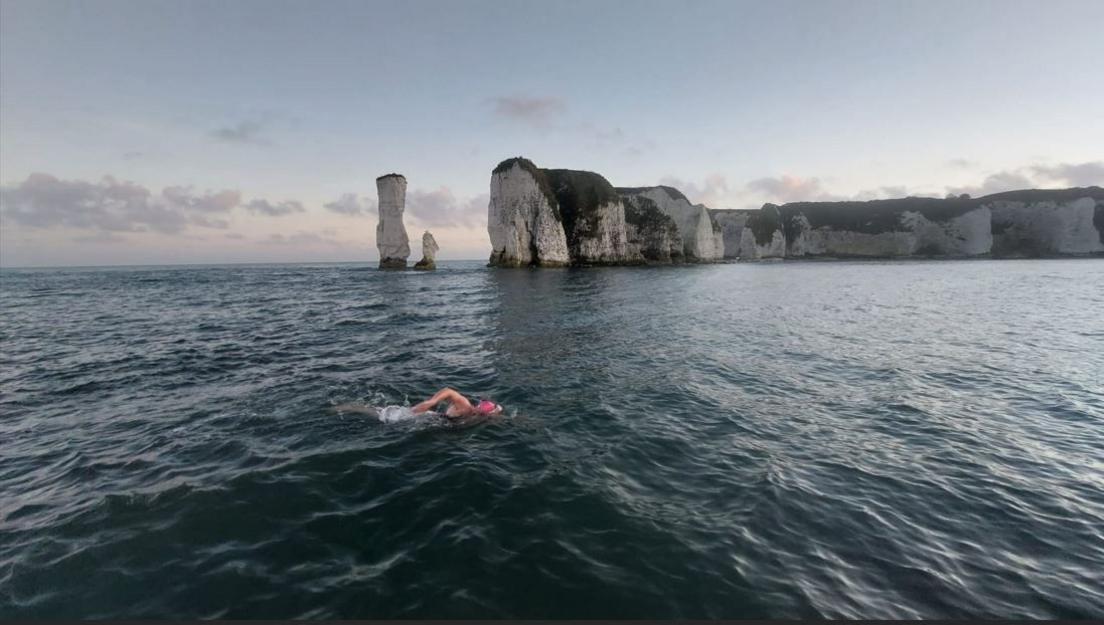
735	102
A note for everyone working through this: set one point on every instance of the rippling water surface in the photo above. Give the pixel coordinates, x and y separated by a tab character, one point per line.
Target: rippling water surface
915	439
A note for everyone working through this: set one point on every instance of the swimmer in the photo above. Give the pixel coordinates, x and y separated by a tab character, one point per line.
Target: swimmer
459	407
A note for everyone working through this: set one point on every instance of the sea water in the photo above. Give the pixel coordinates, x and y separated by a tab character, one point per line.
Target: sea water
850	439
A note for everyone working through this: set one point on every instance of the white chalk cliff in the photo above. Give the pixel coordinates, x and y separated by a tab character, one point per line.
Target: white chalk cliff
1037	222
391	239
556	217
701	241
522	221
1045	227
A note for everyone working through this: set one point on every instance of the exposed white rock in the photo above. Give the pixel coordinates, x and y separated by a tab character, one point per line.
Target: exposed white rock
718	244
731	223
391	239
607	242
429	252
1047	227
969	234
523	226
965	235
750	249
694	224
429	246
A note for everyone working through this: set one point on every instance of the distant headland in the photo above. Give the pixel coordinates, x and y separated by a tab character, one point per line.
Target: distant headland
561	217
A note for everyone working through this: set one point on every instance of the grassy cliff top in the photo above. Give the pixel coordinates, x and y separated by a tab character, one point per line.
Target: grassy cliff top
1046	195
671	192
537	173
877	216
579	194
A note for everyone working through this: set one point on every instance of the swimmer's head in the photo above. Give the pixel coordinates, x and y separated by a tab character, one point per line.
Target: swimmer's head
488	408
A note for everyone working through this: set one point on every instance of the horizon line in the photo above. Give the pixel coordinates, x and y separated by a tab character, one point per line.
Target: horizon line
301	262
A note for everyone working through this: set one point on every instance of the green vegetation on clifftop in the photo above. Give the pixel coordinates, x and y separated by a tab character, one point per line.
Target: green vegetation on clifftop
580	194
538	174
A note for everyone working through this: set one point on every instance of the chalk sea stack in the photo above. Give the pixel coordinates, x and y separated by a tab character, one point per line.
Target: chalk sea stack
391	239
429	252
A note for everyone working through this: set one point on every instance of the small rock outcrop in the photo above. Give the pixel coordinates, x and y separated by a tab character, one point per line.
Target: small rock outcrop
391	239
429	252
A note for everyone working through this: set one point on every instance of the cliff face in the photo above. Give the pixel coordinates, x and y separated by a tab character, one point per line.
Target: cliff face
1042	226
1036	222
702	237
523	218
391	239
650	232
556	217
593	218
886	228
762	235
731	224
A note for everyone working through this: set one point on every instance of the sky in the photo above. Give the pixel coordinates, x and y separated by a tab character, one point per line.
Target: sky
153	132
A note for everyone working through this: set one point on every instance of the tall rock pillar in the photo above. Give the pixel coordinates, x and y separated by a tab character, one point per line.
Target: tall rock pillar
391	239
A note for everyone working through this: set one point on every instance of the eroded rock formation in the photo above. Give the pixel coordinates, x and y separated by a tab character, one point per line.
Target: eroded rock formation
391	239
702	237
429	253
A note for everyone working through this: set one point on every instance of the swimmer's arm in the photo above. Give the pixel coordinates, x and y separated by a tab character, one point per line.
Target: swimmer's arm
445	394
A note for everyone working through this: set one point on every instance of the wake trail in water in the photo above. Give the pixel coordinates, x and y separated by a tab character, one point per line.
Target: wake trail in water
389	413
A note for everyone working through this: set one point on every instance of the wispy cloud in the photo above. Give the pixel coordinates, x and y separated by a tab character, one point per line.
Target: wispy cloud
304	238
441	207
789	188
714	191
352	205
961	163
275	209
100	238
1060	175
43	201
1072	174
616	139
250	131
533	111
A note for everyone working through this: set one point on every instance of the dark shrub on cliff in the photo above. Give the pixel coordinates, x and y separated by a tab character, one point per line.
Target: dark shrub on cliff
579	194
764	223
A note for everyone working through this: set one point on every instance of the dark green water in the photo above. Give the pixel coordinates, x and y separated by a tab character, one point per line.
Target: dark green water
880	440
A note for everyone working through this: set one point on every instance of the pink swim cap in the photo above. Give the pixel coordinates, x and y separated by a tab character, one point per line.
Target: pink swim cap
486	406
